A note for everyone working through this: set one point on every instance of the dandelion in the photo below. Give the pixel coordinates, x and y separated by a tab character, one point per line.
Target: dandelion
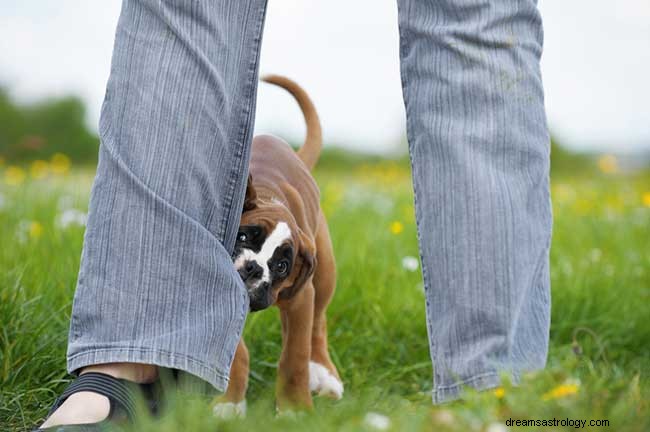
499	392
496	427
35	230
410	263
71	217
396	227
28	230
60	163
608	164
377	421
14	175
569	388
646	199
39	169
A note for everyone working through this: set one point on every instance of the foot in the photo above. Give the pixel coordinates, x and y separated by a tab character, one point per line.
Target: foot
323	382
229	410
89	407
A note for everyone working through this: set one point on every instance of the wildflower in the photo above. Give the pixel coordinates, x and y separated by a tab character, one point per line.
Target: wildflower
444	417
14	175
410	263
646	199
38	169
377	421
71	217
28	230
60	163
499	392
396	227
595	255
35	230
567	389
608	164
496	427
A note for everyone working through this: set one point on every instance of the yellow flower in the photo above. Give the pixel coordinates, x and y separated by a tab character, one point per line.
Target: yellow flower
561	391
608	164
60	163
39	169
499	392
396	227
646	199
14	175
35	230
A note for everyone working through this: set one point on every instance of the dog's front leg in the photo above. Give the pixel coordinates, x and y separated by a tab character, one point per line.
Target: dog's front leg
233	402
292	391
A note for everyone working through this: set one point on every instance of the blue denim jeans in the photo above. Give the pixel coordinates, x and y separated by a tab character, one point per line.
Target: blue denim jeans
156	283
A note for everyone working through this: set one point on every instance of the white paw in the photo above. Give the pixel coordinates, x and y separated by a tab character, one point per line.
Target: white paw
322	381
230	410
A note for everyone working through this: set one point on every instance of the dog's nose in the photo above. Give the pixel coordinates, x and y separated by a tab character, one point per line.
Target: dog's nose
251	270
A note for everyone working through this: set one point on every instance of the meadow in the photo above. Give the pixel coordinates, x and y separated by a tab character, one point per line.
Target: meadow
599	361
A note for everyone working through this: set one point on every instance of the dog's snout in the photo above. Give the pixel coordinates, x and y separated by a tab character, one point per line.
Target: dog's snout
251	270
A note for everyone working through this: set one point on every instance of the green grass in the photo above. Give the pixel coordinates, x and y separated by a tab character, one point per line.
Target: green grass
600	336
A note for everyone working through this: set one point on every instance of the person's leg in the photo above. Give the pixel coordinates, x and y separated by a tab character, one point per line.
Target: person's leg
156	283
479	148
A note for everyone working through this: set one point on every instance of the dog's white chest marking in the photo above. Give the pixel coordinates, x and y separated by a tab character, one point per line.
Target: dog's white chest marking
322	381
280	234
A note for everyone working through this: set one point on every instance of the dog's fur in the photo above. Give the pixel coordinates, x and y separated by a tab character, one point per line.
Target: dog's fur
284	255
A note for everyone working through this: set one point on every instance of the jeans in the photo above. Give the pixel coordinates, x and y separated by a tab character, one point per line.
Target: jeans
156	283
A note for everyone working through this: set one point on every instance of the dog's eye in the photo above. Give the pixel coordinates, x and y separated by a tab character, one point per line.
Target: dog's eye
281	267
241	236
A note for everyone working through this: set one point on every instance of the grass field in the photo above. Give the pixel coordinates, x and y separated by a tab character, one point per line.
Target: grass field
599	361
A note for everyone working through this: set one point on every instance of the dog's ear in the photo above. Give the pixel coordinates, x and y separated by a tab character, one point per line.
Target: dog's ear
303	267
250	202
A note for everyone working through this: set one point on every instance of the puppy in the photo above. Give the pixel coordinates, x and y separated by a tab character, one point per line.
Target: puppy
283	254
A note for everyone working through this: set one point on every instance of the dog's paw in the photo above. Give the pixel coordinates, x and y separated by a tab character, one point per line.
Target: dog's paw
322	382
229	410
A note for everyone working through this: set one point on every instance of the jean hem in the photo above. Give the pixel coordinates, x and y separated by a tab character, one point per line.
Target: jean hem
450	393
215	377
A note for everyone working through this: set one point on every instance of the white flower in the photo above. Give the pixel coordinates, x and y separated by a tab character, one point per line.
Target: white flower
595	255
444	417
71	217
496	427
410	263
377	421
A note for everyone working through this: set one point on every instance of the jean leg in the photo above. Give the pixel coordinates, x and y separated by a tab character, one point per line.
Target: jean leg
156	282
479	149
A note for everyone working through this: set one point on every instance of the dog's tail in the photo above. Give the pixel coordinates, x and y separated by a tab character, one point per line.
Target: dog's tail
310	150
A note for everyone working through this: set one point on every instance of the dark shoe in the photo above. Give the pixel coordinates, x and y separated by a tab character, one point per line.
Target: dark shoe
121	394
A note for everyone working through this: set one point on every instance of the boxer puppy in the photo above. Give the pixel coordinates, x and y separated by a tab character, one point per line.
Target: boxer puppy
283	254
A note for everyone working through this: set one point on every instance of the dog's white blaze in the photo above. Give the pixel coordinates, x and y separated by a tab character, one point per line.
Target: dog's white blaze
229	410
323	382
280	233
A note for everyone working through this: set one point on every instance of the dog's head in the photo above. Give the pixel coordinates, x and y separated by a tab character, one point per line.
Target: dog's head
273	256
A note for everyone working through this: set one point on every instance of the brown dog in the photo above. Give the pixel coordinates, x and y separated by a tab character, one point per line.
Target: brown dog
284	256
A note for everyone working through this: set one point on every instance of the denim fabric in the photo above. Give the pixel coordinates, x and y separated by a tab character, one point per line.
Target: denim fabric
156	283
479	149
